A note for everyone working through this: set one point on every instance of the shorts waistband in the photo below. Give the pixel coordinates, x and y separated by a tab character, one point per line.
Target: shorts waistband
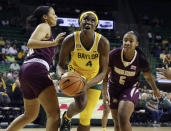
39	61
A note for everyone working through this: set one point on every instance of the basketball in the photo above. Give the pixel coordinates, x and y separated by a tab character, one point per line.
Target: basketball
71	83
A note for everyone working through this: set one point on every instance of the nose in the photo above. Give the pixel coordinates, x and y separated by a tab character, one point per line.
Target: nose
127	43
88	21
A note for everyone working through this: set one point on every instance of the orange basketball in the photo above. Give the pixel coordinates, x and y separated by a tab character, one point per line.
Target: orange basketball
71	83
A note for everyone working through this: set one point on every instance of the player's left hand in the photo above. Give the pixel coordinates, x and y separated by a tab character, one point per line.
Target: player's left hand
59	37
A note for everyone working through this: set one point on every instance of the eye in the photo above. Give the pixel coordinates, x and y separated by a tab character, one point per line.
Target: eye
85	18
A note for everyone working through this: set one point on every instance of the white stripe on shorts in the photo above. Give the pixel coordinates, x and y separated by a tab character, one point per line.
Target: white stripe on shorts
132	91
39	61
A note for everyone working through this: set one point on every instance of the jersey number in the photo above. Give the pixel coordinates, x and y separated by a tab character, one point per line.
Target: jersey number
89	63
122	80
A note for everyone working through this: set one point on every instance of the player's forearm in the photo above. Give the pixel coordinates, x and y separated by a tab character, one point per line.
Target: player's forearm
36	44
96	79
60	70
104	89
149	78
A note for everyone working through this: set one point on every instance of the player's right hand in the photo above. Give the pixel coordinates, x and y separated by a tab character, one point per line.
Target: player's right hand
59	37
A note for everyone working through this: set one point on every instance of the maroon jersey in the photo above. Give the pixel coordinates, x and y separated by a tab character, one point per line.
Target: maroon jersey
42	53
125	74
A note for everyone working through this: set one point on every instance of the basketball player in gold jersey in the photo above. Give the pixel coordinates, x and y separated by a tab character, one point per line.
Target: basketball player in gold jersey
89	52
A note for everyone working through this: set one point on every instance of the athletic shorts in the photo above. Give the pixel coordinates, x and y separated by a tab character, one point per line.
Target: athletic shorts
127	94
34	79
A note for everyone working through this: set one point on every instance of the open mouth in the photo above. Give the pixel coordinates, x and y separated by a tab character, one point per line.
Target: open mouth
87	27
126	46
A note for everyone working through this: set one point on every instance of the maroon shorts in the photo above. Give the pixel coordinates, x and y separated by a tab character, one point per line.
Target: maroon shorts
128	94
34	79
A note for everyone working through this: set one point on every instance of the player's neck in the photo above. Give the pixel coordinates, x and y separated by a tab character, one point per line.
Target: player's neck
87	34
87	38
128	56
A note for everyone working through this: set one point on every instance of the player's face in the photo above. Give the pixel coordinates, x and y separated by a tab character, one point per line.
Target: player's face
51	17
129	42
88	22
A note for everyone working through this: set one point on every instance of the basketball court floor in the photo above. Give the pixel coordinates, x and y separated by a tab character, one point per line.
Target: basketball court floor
109	129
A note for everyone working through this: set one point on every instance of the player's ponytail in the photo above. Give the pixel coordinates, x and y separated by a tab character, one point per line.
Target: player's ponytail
31	21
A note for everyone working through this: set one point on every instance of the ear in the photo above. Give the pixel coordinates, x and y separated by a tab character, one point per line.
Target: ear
137	43
44	17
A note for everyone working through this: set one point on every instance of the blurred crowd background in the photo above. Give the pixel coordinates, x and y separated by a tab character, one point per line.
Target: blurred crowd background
150	18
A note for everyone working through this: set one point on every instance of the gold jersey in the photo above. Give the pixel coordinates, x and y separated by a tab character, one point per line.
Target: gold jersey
83	61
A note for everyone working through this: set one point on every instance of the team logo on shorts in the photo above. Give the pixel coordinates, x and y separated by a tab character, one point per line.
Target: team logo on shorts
115	100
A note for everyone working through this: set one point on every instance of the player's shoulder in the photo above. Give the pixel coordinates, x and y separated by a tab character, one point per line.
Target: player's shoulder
143	62
104	43
142	56
43	26
69	38
115	51
104	40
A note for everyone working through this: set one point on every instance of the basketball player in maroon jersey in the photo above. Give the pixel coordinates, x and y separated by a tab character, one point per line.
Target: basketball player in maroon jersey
125	65
36	86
